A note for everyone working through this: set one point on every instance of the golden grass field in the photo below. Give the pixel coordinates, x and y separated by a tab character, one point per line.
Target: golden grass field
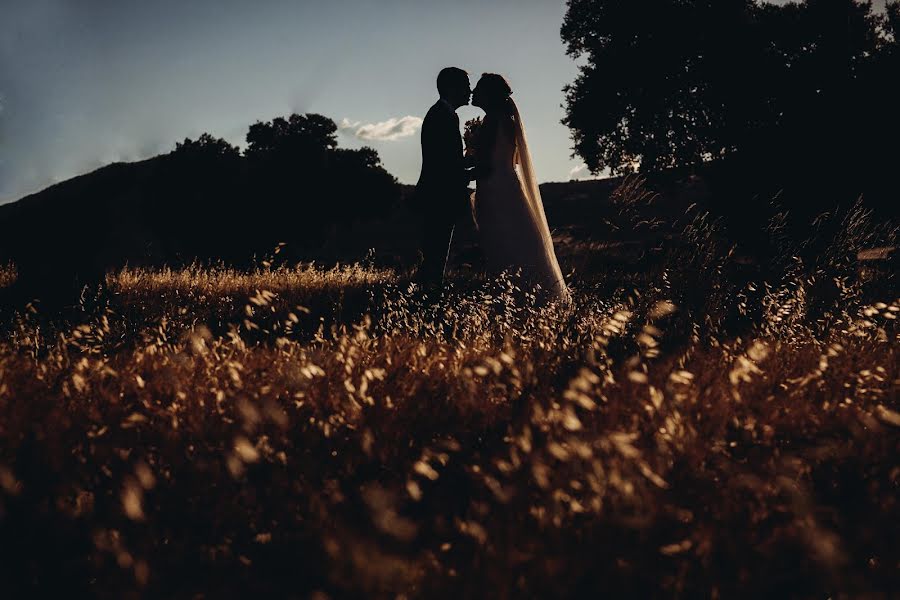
310	432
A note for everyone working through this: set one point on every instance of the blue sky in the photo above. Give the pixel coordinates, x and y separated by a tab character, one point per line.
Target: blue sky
87	82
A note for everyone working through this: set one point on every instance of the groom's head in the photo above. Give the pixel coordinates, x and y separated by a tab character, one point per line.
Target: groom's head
453	86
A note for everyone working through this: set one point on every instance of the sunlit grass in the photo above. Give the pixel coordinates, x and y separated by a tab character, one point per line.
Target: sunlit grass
301	429
223	280
7	275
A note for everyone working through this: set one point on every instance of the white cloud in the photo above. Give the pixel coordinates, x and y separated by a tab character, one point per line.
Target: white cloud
579	171
393	129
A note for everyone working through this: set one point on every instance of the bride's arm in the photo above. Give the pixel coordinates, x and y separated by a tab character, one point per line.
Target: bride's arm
481	159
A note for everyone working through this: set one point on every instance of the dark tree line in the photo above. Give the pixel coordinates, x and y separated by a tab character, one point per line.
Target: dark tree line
292	184
805	88
205	200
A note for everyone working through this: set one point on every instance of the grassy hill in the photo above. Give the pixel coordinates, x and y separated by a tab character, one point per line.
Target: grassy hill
160	212
121	214
308	432
705	420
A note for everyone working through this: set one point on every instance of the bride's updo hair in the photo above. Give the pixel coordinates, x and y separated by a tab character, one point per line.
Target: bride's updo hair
496	88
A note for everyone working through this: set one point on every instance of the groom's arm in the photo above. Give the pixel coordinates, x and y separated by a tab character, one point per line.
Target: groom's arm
464	164
452	147
470	165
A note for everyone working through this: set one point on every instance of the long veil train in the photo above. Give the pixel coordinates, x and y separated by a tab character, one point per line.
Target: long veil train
533	198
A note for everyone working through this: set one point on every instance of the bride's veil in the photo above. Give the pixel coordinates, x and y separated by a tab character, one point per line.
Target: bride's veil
532	191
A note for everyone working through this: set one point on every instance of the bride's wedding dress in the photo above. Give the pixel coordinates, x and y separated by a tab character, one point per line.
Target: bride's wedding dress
509	211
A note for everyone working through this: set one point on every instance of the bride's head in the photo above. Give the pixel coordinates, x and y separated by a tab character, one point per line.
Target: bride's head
492	93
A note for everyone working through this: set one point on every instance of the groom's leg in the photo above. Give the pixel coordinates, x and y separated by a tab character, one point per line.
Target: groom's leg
435	250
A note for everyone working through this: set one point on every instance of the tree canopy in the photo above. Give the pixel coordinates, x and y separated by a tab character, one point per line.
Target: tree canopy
673	83
291	184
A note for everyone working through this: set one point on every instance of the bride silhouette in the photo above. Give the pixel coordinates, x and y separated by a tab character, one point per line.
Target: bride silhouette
509	210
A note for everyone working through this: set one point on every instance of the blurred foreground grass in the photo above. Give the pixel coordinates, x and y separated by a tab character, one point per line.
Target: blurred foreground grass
681	431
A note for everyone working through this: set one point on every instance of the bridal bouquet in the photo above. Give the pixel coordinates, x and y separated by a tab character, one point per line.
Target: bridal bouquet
470	135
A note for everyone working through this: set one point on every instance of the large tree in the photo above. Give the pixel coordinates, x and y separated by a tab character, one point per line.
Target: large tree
672	83
300	174
292	184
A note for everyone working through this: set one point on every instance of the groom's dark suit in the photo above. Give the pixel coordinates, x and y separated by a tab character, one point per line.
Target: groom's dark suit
442	190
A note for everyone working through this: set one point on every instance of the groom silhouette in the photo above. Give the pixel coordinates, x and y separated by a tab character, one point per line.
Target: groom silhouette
442	190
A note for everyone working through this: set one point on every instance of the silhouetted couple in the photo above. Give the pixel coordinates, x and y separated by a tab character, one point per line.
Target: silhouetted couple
509	212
